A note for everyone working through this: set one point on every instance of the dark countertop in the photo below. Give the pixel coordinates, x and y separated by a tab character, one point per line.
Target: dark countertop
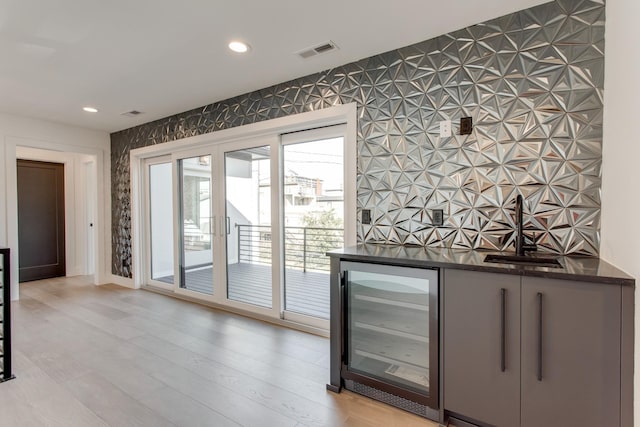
581	268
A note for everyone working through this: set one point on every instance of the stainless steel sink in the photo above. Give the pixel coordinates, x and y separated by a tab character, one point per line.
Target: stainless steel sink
532	260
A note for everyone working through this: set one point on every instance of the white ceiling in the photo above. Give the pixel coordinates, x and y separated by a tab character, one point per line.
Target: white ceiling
167	56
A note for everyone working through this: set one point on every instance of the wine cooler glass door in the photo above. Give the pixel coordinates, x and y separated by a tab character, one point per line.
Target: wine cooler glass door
391	327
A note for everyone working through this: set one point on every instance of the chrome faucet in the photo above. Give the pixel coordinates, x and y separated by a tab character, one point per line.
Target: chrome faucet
521	246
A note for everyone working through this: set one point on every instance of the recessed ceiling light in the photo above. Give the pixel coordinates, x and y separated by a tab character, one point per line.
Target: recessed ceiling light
90	109
238	47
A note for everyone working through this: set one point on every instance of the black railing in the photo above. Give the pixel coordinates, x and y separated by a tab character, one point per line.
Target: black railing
304	247
254	244
5	322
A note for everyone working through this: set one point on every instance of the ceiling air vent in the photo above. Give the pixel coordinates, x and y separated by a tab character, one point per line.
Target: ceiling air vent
132	113
317	50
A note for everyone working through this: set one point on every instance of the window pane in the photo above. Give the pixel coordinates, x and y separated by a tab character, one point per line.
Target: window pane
196	265
248	217
161	217
314	222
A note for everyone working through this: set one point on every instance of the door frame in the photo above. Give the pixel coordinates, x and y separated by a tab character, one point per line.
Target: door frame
15	148
341	114
80	203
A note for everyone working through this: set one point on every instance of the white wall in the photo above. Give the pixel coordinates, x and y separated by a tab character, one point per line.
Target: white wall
621	152
15	132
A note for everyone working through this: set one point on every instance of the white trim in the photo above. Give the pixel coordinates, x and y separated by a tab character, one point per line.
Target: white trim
177	227
90	184
68	160
163	285
12	213
311	135
120	281
137	177
314	322
326	117
350	180
277	229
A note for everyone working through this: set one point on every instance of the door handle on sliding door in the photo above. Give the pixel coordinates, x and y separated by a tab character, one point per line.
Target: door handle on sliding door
225	225
212	225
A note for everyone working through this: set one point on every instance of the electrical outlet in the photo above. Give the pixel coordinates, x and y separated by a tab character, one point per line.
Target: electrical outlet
366	216
437	217
466	125
445	128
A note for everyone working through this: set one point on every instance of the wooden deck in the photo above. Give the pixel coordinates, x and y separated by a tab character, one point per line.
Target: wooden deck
305	293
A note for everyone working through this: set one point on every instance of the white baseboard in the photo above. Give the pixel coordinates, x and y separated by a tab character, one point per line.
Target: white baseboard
75	272
122	281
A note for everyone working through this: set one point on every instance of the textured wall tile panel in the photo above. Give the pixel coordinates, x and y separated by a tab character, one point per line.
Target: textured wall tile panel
533	83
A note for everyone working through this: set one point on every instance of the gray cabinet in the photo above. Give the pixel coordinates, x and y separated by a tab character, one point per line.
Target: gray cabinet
570	353
482	346
568	370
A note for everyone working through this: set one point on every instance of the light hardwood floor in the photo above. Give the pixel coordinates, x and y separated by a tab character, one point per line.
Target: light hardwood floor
98	356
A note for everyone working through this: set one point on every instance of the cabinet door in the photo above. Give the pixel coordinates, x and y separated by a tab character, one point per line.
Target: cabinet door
570	353
482	346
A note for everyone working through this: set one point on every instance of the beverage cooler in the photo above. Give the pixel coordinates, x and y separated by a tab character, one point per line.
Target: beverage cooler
390	334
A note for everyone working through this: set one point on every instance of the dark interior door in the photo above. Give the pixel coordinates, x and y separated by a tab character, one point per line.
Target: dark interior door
40	220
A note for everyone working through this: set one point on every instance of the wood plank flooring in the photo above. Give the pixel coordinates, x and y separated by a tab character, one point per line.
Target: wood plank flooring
110	356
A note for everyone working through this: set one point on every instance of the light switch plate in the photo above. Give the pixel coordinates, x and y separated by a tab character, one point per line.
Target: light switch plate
445	128
366	216
437	217
466	125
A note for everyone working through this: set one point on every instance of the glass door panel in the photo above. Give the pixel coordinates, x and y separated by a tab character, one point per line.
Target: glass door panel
161	222
248	225
392	326
313	192
196	224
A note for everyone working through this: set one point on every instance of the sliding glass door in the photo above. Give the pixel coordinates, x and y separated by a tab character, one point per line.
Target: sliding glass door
159	179
196	224
313	211
247	223
248	228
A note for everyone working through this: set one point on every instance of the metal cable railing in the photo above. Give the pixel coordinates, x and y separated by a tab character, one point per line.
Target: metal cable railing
304	247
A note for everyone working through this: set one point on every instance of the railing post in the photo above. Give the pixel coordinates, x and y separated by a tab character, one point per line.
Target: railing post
304	250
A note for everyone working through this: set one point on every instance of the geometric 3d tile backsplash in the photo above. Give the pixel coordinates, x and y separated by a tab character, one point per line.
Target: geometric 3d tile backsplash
533	83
